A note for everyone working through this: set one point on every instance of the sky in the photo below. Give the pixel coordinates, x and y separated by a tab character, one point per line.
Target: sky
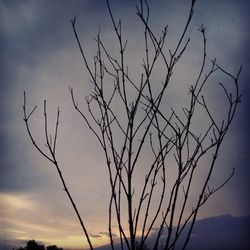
39	55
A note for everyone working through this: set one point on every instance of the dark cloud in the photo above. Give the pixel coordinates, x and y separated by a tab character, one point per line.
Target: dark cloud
31	31
216	233
222	232
107	234
96	236
102	234
49	31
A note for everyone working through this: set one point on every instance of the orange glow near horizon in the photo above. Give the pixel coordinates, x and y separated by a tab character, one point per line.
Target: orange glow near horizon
18	224
70	242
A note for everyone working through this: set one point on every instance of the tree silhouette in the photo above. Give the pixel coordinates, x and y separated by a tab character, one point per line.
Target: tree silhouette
53	247
33	245
134	121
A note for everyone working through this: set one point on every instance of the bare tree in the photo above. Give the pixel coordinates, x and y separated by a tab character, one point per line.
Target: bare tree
165	205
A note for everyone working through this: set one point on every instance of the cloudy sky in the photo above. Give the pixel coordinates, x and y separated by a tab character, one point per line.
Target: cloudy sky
39	54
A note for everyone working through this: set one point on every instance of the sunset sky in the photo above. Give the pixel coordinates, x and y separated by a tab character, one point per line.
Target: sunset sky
39	54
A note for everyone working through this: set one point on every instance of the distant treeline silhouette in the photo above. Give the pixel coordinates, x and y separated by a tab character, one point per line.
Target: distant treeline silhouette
33	245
